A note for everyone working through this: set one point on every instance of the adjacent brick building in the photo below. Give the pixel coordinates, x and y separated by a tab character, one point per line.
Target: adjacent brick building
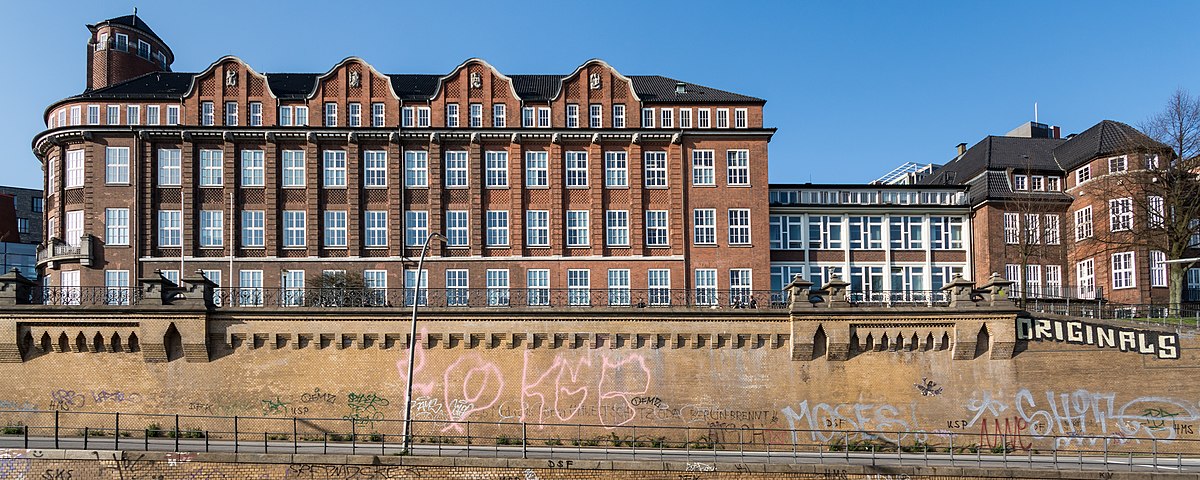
585	182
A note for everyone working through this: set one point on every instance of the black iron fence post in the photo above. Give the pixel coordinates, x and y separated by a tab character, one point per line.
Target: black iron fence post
117	431
56	429
177	432
235	434
353	436
295	435
524	440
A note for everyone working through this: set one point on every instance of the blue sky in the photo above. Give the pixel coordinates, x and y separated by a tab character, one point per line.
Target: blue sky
855	88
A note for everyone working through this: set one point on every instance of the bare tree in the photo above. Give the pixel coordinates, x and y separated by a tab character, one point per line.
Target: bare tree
1159	189
1039	237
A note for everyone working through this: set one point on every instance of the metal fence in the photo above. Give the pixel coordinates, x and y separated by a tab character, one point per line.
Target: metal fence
367	433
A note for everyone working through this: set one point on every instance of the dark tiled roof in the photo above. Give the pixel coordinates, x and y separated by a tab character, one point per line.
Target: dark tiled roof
293	86
999	153
1105	138
994	185
132	21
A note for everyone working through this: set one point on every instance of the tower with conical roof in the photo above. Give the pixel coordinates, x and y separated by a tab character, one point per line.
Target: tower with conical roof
122	48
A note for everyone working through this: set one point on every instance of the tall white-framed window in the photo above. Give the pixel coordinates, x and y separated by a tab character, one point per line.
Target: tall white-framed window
1158	269
577	228
497	287
378	119
1033	229
335	229
1120	214
113	115
153	114
537	228
456	168
616	169
334	169
416	168
499	115
572	115
212	168
685	118
658	287
407	117
656	228
172	114
704	226
75	161
76	114
616	227
739	118
376	229
655	169
300	119
295	227
416	227
737	164
706	286
252	168
457	288
207	114
116	165
702	118
74	228
354	114
665	118
537	169
231	114
143	49
250	288
255	117
722	118
577	169
595	115
543	117
1083	223
457	233
375	168
527	117
1085	274
116	226
253	233
475	115
331	116
1020	182
1122	270
1054	285
1053	233
375	282
93	114
618	287
212	228
292	282
168	167
647	118
1155	211
1033	280
497	228
133	114
739	226
618	116
579	287
423	117
60	118
285	116
496	168
740	287
1012	228
293	168
1053	184
451	115
116	287
1118	164
169	229
1037	183
703	168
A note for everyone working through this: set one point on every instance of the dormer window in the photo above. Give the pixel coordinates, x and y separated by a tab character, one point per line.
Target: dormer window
143	49
1037	183
1117	164
206	113
330	114
102	42
1020	183
451	115
1053	184
161	59
231	114
122	42
1152	162
1083	174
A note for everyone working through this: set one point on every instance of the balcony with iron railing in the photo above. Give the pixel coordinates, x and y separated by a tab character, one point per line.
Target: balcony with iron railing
57	250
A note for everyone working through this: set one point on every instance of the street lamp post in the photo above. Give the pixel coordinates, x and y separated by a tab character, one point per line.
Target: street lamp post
412	342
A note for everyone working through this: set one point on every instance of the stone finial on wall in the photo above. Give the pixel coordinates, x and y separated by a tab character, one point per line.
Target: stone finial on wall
798	292
961	291
160	288
996	290
15	288
199	291
835	292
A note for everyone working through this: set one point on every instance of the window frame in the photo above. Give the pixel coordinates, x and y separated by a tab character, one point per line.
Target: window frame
335	229
116	166
537	228
737	175
616	228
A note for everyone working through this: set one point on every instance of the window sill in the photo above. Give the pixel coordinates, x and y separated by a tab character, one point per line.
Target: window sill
740	185
252	186
498	247
159	186
577	187
416	187
294	187
212	186
704	185
659	246
616	187
335	247
741	245
253	247
496	187
658	187
705	245
618	246
376	247
115	184
333	187
375	187
300	247
212	247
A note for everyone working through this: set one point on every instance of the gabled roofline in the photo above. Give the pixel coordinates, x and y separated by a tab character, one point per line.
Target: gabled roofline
192	87
562	81
322	77
441	81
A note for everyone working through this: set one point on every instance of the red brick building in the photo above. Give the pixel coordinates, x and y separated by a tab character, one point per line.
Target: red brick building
589	183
